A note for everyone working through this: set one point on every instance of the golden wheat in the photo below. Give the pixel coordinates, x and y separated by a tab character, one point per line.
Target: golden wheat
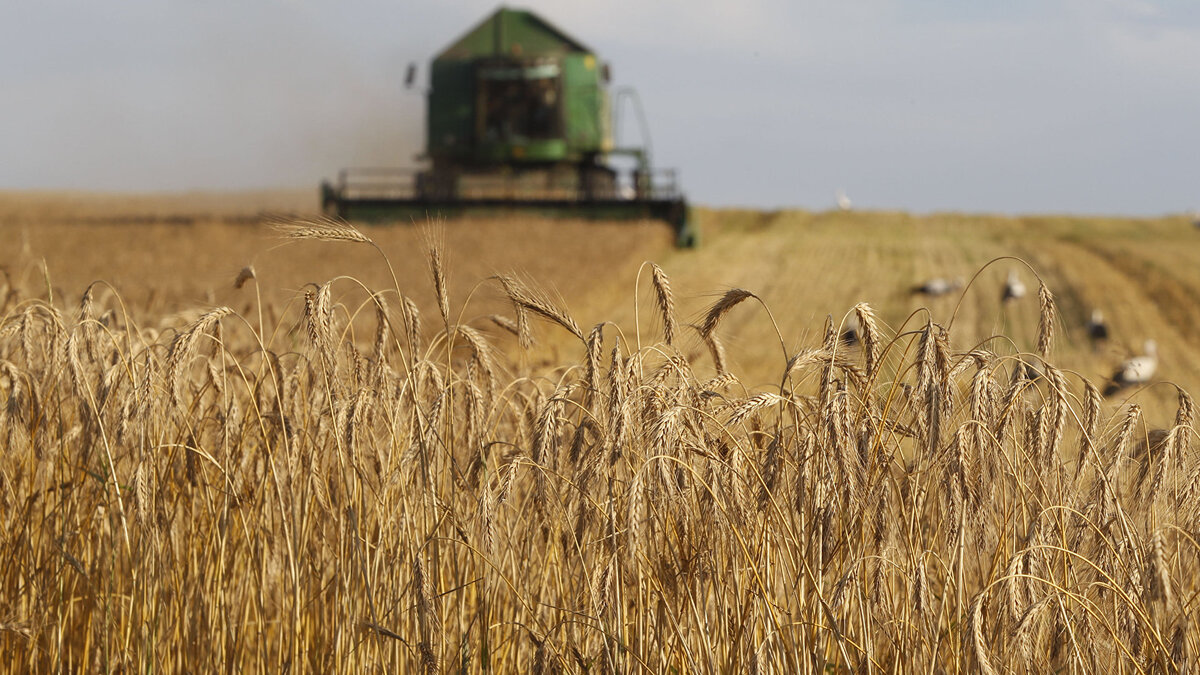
333	489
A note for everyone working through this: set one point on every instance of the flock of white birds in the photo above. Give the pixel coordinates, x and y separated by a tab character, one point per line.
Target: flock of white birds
1131	372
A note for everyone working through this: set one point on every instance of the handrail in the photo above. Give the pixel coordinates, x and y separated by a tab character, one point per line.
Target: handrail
407	183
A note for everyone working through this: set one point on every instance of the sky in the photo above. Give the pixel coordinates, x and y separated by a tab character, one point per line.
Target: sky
1022	106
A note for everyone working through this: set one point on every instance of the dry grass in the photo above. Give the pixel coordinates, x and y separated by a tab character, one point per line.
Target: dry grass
339	484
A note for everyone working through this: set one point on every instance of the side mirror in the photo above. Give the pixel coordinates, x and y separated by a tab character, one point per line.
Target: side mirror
410	76
605	73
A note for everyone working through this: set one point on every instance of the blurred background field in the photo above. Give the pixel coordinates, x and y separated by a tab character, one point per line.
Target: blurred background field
349	487
173	253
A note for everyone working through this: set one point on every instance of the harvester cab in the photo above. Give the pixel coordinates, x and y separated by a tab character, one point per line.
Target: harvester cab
518	119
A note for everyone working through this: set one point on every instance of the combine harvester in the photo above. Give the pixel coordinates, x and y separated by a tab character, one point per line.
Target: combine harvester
518	120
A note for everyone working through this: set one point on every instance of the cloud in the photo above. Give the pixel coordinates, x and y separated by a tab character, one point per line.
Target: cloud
916	104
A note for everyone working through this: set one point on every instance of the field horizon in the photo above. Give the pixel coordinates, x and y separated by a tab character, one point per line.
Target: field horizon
1142	272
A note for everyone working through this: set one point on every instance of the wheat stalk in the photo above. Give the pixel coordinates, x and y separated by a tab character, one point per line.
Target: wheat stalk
321	229
666	302
712	318
246	274
524	298
1045	320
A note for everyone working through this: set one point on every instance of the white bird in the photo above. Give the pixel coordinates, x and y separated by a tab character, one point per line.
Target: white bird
1014	288
937	286
1137	370
1097	328
850	330
843	201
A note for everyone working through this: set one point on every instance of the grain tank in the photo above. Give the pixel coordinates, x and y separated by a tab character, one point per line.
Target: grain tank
519	118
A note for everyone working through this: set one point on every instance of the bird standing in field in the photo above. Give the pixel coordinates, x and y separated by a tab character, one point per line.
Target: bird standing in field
1028	371
937	286
850	331
1097	328
843	202
1014	288
1137	370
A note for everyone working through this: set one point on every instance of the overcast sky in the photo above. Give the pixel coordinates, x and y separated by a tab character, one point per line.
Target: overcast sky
1089	106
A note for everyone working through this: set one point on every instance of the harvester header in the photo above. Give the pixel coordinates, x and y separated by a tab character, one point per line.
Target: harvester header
519	118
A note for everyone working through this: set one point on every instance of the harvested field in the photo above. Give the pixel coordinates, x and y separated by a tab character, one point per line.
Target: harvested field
377	454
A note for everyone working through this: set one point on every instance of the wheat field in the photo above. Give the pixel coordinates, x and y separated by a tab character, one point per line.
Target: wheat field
247	444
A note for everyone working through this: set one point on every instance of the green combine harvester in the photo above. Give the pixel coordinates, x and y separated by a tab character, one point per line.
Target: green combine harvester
519	120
